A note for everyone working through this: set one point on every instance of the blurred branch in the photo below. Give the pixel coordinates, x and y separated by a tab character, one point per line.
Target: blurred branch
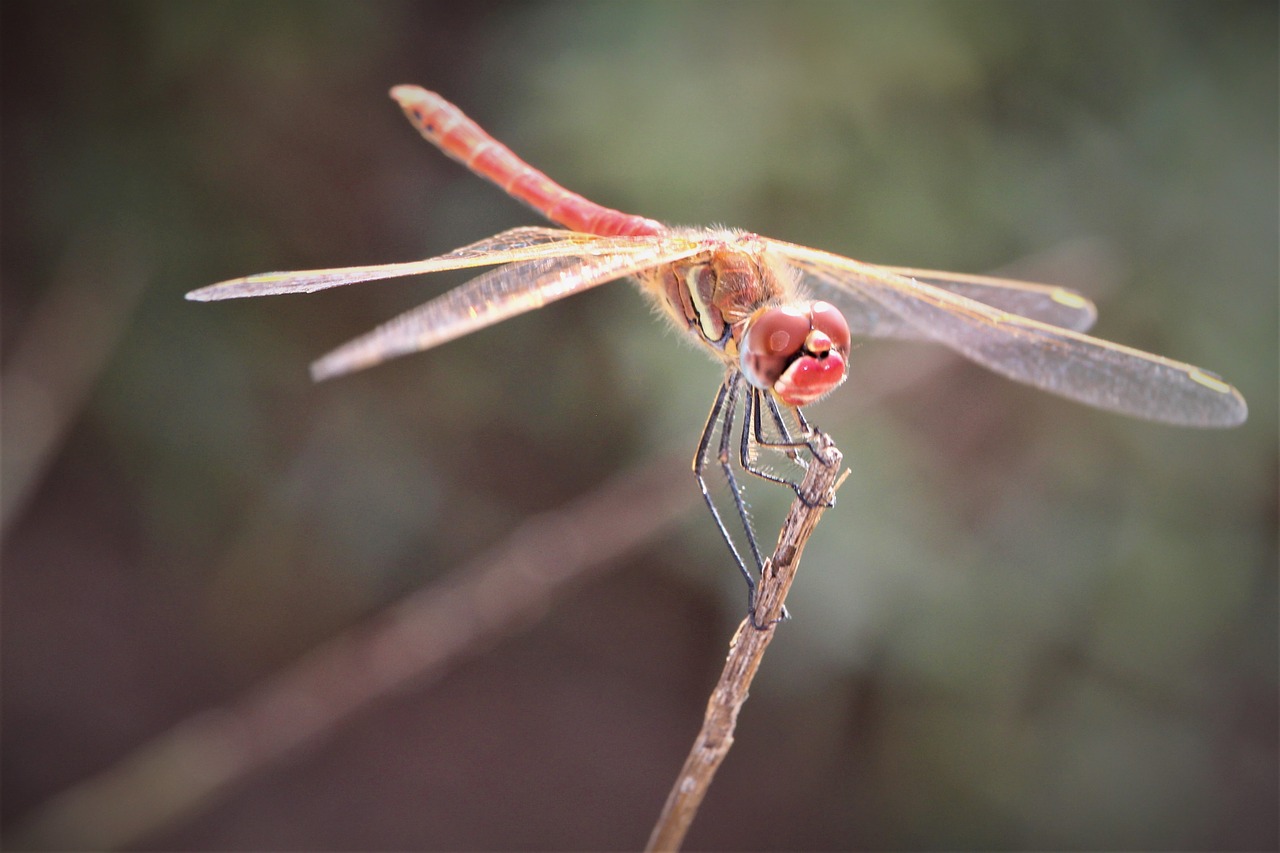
746	650
419	638
62	348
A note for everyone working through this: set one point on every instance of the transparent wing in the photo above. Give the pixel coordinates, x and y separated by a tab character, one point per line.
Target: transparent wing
1050	304
1056	359
517	244
494	296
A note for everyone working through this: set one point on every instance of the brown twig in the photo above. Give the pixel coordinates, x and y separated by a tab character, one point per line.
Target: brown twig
746	650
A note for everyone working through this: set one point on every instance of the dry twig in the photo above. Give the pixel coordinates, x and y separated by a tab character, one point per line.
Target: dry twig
746	650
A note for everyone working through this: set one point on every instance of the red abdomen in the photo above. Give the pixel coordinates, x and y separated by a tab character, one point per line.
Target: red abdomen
448	128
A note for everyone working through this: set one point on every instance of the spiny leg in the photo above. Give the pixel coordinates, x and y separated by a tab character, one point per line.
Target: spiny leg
726	463
753	433
780	423
726	467
806	429
721	415
751	412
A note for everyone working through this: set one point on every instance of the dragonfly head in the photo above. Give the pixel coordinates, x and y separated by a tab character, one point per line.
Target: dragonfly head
797	352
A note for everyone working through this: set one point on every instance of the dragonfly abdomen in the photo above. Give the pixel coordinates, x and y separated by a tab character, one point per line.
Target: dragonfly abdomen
448	128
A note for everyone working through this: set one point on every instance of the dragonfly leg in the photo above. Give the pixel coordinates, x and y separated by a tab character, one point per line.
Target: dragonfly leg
806	429
750	414
754	435
780	423
810	431
725	458
722	416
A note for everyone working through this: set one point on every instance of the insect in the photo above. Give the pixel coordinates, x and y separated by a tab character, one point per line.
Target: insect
780	317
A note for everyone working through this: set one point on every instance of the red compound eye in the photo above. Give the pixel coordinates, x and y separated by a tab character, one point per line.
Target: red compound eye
827	318
797	354
773	340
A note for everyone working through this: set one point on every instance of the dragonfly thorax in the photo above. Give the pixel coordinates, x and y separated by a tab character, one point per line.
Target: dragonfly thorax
712	294
737	301
798	352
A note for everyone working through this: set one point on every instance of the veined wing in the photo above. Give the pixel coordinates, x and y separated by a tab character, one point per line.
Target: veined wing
1047	303
1092	371
517	244
495	296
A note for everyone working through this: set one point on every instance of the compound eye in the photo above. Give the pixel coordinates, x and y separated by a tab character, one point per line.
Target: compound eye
773	339
828	319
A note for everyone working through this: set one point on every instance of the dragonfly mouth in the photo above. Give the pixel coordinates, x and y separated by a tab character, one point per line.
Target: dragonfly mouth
810	377
798	354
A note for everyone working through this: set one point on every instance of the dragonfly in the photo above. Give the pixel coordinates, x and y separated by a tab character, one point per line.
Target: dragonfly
780	317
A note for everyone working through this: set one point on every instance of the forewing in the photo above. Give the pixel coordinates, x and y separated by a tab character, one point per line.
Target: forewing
494	296
515	245
1050	304
1047	303
1055	359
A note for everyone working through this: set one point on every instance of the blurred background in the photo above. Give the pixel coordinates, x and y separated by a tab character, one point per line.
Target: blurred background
1026	624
